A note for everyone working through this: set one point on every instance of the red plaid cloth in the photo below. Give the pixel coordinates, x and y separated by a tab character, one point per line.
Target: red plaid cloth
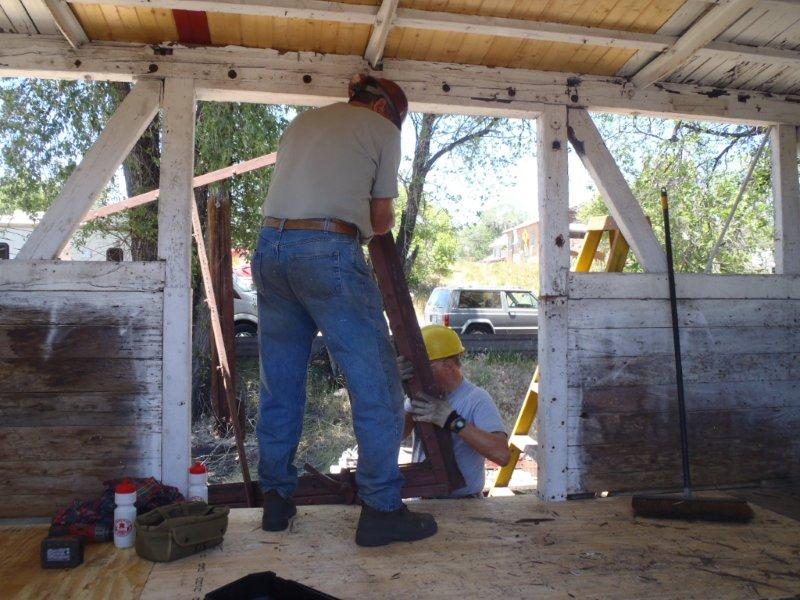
150	494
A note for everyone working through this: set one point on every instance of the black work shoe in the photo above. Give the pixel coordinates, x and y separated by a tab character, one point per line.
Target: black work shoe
376	528
277	511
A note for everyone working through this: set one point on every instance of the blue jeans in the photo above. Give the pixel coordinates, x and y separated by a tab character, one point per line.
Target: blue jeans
310	281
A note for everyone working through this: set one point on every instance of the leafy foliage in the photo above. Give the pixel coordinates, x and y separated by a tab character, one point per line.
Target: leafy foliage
476	238
46	127
228	133
437	243
471	144
702	167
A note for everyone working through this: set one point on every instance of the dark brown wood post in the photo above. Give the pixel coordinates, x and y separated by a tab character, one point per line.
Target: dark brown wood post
408	341
219	257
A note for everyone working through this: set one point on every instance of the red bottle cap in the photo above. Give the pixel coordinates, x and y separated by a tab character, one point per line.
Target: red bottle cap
198	468
125	487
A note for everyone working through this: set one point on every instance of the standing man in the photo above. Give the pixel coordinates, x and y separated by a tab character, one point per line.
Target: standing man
333	188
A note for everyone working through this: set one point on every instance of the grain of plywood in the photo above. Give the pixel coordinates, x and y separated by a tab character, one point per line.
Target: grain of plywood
503	548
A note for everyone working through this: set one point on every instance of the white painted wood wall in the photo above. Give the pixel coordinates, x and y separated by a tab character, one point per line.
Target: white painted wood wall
80	379
741	359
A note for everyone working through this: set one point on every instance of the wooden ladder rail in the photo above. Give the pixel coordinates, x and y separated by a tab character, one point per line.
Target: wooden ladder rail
520	440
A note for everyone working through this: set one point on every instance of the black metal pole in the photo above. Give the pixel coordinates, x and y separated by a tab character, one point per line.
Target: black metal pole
676	338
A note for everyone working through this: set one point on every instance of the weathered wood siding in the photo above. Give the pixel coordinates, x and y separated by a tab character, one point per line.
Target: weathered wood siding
741	360
80	379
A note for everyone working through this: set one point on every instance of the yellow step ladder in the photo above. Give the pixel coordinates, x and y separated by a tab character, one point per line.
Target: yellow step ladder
520	440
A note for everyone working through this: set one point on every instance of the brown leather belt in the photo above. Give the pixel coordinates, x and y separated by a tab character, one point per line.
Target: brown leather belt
334	225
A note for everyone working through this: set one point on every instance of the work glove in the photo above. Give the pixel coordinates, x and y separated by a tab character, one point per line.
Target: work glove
430	410
405	367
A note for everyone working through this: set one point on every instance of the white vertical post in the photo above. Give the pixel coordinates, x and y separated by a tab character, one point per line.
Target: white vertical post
786	198
553	270
175	247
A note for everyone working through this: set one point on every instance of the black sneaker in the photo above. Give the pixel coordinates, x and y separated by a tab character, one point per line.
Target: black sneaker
376	528
277	511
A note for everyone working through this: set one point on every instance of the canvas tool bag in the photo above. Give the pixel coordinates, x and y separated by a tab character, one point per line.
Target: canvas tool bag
177	530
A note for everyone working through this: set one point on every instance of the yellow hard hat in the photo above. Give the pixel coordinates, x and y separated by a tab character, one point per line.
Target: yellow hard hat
441	342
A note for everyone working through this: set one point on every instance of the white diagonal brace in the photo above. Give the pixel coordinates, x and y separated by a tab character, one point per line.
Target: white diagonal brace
704	30
66	22
380	32
621	203
93	173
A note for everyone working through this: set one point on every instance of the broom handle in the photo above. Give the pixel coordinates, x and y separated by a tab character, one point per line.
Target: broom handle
673	303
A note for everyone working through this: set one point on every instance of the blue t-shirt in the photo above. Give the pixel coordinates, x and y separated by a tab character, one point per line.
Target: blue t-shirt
478	409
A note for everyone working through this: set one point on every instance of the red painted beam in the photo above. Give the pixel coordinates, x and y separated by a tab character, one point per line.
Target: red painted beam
192	27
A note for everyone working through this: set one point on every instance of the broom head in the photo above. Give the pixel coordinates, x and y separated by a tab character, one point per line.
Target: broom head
702	508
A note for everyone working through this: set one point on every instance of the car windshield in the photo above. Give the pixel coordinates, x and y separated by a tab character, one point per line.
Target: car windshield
244	283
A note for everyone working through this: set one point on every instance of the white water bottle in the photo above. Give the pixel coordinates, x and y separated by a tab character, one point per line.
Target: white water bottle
124	514
198	482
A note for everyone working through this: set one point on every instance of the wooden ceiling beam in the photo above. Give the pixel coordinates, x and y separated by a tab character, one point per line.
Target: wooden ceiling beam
704	30
235	74
380	32
381	20
67	22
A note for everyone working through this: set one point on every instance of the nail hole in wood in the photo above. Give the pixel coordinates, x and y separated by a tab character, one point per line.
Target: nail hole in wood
152	67
445	87
78	63
306	78
232	74
556	145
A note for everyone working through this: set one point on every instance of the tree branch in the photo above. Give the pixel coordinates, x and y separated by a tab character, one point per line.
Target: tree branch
456	143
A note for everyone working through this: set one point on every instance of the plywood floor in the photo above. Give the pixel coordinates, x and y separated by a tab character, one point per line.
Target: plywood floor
495	548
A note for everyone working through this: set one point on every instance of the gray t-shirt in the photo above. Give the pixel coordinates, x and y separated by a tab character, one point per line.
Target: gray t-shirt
331	162
477	407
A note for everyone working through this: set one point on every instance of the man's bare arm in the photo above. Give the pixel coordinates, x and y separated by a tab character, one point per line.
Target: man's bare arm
492	445
381	215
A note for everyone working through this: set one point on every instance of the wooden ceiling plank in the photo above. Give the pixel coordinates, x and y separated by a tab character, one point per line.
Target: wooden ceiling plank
42	18
19	17
66	22
6	26
708	27
380	32
468	24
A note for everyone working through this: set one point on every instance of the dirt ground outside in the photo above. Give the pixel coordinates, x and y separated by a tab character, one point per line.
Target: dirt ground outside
327	429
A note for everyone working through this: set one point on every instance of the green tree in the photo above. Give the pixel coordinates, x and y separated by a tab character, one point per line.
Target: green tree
476	238
436	243
702	167
474	145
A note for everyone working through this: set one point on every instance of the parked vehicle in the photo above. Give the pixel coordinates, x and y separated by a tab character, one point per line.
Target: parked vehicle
483	310
245	305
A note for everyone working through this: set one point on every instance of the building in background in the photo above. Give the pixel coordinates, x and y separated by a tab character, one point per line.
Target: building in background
520	243
16	227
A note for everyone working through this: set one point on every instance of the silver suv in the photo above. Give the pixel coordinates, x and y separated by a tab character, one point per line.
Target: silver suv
483	310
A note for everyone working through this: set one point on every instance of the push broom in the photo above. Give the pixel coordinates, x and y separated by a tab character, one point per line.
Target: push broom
687	505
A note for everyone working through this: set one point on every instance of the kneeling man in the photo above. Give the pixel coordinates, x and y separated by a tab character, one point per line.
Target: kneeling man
467	410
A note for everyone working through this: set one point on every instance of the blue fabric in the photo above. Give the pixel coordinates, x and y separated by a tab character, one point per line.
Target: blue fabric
311	281
477	407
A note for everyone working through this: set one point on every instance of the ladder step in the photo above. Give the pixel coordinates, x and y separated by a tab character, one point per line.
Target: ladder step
523	443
